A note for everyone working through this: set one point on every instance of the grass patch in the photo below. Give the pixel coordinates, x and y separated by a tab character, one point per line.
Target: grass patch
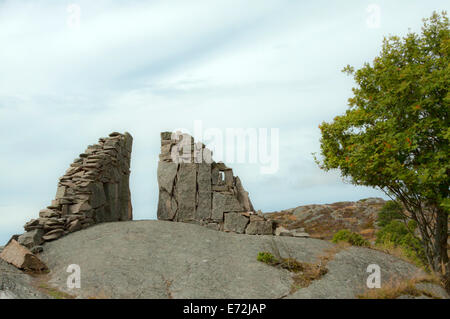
393	290
303	273
54	292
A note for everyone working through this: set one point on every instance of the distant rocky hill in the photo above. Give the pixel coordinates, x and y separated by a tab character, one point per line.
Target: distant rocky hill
322	221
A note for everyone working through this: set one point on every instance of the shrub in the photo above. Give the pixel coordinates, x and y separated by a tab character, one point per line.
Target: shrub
398	234
390	211
349	237
266	257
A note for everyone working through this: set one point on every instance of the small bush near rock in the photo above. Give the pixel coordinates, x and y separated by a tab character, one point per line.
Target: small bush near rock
344	235
397	234
266	258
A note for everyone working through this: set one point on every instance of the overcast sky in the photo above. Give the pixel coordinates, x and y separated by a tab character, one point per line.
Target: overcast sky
151	66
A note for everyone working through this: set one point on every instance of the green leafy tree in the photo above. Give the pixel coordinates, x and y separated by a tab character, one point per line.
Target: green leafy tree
395	134
390	211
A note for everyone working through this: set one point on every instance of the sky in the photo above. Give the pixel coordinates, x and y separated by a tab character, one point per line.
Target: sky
74	71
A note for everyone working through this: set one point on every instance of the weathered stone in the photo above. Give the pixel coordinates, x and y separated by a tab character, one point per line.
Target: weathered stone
203	210
53	234
255	217
74	226
281	231
79	207
113	134
166	175
229	178
48	213
21	257
242	196
166	135
259	228
220	188
37	249
61	192
235	222
165	149
31	238
166	206
223	203
98	197
299	232
186	191
215	175
32	224
13	237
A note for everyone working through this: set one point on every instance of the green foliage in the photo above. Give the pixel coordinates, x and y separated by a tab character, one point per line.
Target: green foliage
398	234
396	133
349	237
267	258
390	211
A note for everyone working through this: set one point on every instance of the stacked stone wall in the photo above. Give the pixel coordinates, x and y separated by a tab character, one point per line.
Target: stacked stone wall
95	189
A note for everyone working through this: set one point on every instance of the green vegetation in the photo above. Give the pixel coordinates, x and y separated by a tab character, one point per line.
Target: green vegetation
54	292
344	235
266	258
395	135
396	233
393	290
390	211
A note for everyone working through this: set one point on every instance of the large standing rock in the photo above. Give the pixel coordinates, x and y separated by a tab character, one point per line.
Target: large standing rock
21	257
195	189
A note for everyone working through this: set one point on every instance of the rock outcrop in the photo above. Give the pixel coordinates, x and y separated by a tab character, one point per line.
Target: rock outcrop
160	259
323	221
21	257
94	189
195	189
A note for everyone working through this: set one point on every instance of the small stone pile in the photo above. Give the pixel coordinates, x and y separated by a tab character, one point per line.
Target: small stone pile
195	189
94	189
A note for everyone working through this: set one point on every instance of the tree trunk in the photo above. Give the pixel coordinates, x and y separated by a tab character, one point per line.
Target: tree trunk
440	255
434	237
